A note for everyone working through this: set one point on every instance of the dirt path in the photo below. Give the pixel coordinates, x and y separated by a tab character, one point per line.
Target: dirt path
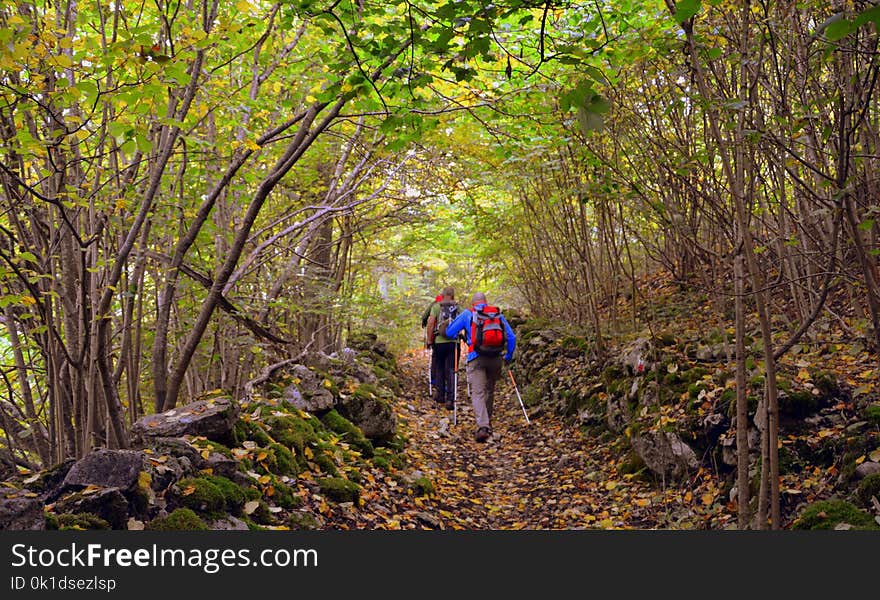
539	476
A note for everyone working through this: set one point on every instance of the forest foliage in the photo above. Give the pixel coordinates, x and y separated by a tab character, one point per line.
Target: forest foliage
192	190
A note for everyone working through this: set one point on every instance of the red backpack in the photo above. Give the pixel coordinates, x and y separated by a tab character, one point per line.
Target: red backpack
488	335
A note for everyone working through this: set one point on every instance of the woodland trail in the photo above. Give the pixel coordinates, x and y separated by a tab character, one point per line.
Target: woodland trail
546	475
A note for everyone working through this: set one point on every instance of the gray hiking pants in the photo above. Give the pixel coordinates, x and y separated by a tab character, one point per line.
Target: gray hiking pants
482	373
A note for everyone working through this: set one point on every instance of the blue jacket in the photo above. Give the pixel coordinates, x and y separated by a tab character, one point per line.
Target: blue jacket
463	323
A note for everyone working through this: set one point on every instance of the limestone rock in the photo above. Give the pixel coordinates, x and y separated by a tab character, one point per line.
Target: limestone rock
665	454
212	418
18	512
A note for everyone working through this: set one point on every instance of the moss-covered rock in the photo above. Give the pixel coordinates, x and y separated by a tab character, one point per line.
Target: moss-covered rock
292	431
632	464
827	514
872	414
282	494
798	405
302	520
349	432
386	458
211	494
422	486
181	519
250	431
326	463
75	521
868	487
205	444
382	462
275	459
339	489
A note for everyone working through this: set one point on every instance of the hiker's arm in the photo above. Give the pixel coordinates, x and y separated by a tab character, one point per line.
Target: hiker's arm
426	314
511	339
429	331
457	325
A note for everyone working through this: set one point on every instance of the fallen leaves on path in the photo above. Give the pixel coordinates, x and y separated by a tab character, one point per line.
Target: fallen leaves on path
547	475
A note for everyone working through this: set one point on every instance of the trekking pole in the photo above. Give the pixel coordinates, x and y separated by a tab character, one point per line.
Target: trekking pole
468	381
455	386
516	389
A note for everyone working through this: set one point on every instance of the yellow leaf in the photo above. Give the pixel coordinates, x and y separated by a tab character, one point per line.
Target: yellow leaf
875	456
262	456
610	485
803	375
642	502
708	498
688	497
265	479
189	490
861	459
308	452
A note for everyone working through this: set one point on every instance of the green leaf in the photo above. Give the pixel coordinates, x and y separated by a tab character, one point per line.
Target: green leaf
589	121
714	53
838	30
685	9
872	14
866	225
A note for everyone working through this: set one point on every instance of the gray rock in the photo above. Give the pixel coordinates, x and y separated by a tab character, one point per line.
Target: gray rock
308	392
665	454
348	355
107	469
728	451
222	465
18	512
212	418
634	353
617	413
176	447
867	468
109	504
704	353
430	520
229	523
373	415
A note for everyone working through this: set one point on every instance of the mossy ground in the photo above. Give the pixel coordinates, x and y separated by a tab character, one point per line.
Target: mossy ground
75	521
181	519
828	514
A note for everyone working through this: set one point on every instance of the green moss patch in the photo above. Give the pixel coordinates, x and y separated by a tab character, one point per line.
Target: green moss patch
348	431
827	514
181	519
339	489
868	487
75	521
211	494
292	431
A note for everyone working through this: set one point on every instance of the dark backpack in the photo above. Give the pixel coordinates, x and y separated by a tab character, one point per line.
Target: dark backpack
488	335
448	312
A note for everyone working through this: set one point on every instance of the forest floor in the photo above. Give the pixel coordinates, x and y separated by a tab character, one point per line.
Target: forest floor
546	475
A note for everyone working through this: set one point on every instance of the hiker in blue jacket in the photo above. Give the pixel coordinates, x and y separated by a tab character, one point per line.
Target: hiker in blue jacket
491	343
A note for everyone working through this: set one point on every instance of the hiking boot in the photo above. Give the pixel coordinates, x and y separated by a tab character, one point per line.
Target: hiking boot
483	434
450	405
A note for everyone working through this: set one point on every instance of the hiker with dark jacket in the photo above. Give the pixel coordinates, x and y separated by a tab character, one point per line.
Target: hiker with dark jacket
445	349
491	342
432	370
